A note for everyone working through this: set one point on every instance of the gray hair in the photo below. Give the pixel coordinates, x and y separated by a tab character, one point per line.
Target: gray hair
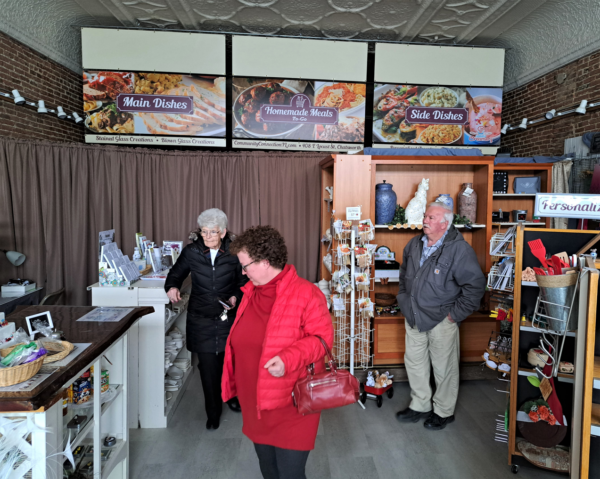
448	214
211	218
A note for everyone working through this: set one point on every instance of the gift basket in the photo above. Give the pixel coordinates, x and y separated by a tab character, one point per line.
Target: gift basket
21	363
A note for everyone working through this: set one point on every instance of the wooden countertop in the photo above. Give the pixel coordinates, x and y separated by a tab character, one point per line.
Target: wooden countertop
100	335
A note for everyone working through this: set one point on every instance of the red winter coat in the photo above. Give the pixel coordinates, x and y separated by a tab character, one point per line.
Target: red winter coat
299	313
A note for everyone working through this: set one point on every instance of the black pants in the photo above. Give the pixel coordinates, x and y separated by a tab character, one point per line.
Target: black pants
211	370
278	463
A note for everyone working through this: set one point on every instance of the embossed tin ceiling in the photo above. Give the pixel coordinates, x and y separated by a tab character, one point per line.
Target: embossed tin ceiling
542	35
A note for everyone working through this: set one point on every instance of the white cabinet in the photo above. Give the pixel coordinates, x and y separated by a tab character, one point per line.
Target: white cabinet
42	448
148	404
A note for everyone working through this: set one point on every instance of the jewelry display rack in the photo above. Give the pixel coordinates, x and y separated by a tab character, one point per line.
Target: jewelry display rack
352	332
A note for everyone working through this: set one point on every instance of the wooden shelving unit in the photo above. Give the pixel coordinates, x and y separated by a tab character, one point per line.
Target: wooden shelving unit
514	201
354	177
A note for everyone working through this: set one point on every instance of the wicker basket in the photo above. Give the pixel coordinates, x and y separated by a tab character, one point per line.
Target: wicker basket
18	374
384	299
56	350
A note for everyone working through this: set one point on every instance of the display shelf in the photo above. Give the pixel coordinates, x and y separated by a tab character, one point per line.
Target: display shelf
513	195
105	399
529	283
390	280
596	372
527	326
595	429
119	452
525	223
172	320
172	403
118	389
420	228
565	378
81	435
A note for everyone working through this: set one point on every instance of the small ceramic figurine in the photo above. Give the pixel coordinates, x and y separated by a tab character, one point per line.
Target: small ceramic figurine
417	206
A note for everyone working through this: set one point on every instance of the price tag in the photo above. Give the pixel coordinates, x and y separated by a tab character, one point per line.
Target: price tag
468	191
545	388
353	213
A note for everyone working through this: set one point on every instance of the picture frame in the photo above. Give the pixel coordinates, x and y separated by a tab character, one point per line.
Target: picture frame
45	316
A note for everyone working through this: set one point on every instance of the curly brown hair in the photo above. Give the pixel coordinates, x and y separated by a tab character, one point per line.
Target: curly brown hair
262	242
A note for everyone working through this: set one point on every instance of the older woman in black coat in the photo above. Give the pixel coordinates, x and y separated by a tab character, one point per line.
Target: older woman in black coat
216	276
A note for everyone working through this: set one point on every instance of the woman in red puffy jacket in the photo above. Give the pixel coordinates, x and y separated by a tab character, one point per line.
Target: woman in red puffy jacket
273	339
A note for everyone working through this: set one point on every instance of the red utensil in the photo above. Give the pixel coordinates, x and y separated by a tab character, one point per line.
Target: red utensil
539	271
538	250
556	261
550	271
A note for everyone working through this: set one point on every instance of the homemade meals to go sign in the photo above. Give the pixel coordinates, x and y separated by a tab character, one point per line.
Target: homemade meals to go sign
437	115
278	109
128	103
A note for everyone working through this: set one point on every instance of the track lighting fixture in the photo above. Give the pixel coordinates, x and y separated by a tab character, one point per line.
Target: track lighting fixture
523	124
77	118
581	108
60	113
505	128
42	107
19	100
550	114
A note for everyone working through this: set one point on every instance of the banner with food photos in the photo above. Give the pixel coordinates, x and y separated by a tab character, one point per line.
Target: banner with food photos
437	115
179	108
282	110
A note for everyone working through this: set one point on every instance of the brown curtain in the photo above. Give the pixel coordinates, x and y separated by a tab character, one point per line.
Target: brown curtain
290	196
55	198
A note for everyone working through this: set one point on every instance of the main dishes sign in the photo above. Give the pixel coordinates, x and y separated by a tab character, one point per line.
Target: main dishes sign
183	107
440	115
298	110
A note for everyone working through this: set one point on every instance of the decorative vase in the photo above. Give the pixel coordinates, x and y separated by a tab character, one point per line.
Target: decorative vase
385	203
467	203
447	200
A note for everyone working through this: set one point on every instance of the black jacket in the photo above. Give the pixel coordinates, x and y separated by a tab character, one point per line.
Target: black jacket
205	331
450	281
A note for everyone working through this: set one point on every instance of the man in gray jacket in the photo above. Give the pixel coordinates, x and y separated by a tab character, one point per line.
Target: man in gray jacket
441	283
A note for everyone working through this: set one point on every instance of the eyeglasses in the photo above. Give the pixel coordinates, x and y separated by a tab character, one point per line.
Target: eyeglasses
209	233
246	266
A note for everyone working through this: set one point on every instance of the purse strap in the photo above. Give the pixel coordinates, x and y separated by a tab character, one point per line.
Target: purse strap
331	360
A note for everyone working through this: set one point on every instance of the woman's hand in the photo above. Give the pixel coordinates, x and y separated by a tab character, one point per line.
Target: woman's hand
232	301
173	295
275	367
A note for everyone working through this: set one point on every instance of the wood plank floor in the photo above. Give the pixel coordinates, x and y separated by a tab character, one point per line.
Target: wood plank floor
351	443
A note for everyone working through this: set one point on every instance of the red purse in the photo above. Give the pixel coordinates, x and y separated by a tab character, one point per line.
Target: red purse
326	390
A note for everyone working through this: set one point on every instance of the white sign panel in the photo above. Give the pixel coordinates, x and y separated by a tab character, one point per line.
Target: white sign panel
152	50
295	145
435	64
156	140
567	205
353	213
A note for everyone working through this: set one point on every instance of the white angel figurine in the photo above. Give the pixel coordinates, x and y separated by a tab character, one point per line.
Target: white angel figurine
415	211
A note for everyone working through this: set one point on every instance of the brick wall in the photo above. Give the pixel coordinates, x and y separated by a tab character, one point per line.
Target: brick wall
37	78
534	99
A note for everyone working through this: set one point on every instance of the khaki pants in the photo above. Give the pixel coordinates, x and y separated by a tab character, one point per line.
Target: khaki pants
439	348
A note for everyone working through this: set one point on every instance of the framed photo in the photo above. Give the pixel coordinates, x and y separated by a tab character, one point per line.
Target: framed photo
45	318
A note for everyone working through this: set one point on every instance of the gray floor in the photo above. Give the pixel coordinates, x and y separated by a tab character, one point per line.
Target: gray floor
351	443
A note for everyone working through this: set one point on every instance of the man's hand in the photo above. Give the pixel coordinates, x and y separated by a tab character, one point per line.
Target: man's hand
450	318
173	295
275	367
